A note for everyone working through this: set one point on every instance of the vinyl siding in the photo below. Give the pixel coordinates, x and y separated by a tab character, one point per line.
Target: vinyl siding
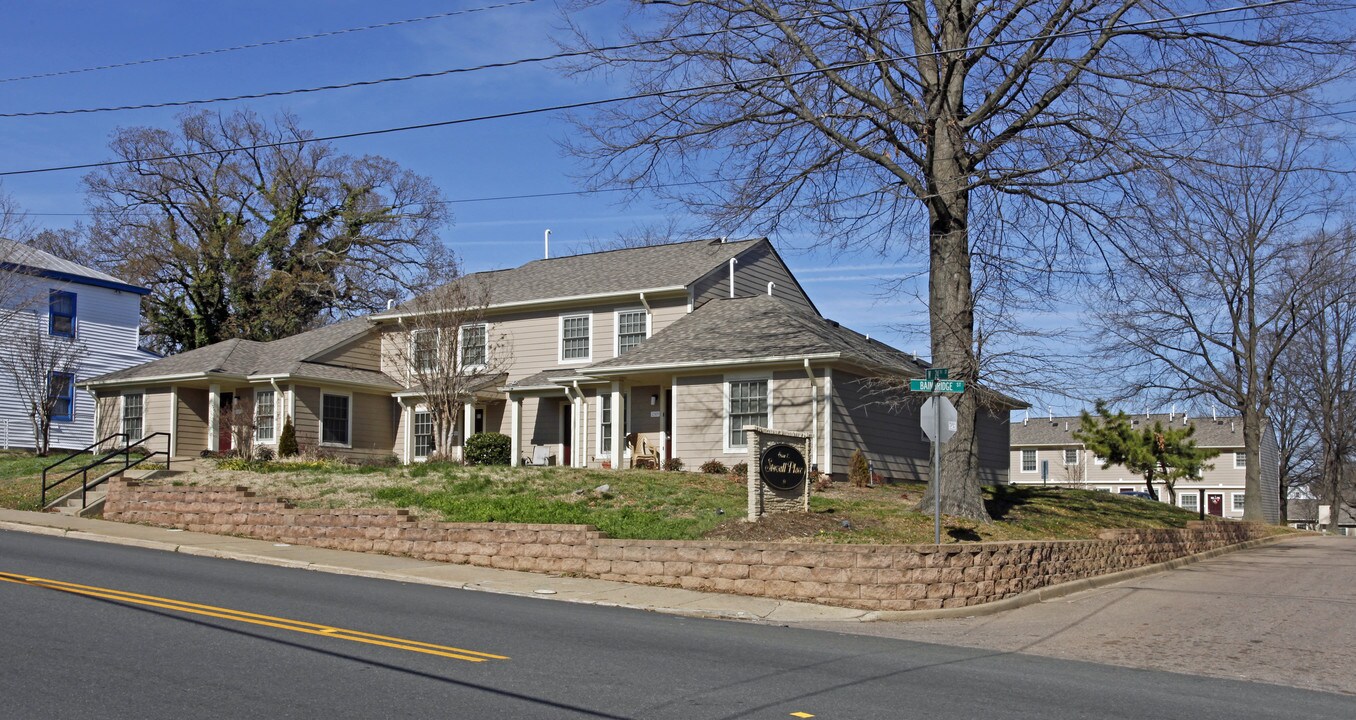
889	436
193	421
363	353
157	417
106	323
992	432
699	422
1270	477
753	270
307	422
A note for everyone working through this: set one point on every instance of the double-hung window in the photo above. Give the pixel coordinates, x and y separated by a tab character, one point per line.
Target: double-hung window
61	314
423	351
424	444
335	420
1028	461
133	416
1070	456
1238	503
264	416
61	390
474	352
1240	459
632	329
575	337
605	417
1188	501
748	406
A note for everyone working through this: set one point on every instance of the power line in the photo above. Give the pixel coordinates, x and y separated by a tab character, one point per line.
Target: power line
265	43
642	96
435	73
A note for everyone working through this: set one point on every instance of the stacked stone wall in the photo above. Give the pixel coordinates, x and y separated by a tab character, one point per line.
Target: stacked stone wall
874	577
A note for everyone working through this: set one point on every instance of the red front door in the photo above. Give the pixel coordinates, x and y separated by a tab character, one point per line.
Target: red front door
1214	504
224	427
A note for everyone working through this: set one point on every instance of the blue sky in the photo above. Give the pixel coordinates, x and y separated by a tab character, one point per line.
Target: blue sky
505	157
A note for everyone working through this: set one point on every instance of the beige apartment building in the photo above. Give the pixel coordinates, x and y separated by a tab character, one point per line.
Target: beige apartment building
1044	451
674	348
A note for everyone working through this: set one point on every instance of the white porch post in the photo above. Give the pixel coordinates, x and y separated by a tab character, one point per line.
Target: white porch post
583	431
468	425
663	433
214	418
405	422
173	448
618	420
673	419
515	430
826	464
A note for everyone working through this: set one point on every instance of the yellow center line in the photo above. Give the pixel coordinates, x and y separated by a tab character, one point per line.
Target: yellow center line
300	626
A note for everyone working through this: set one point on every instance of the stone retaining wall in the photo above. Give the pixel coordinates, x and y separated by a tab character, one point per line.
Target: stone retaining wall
875	577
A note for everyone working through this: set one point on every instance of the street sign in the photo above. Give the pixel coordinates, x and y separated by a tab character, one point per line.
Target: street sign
938	373
946	386
941	429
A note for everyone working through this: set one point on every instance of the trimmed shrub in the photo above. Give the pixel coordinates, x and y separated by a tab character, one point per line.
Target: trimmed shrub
264	454
859	471
739	472
488	449
287	441
673	464
714	467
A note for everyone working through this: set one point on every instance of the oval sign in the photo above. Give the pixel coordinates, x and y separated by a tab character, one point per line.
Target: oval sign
782	467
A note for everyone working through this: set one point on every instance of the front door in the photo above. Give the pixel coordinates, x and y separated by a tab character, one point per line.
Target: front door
566	433
480	420
223	424
1214	504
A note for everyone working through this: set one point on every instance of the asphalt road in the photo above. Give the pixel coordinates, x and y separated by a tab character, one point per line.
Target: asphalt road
100	631
1282	613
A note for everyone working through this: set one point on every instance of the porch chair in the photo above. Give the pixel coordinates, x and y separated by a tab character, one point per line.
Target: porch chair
643	454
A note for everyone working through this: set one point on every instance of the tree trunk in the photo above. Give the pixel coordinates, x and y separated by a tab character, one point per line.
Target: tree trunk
1252	446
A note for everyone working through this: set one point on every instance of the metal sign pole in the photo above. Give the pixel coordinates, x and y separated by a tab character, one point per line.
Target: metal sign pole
937	475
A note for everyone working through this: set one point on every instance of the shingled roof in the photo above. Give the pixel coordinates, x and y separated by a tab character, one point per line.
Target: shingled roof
244	358
31	261
673	265
754	328
1224	432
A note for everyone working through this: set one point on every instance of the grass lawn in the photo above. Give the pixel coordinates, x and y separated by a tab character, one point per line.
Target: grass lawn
21	478
663	505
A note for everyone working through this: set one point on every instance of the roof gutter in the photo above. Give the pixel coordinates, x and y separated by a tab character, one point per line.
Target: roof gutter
158	378
565	300
711	364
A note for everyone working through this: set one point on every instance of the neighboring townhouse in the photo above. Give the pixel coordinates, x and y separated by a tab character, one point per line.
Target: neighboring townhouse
1044	451
673	347
63	302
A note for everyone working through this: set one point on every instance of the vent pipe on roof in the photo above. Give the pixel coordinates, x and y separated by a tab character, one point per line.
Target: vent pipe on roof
1172	414
1184	418
732	264
1213	415
769	287
722	239
1025	417
548	244
390	303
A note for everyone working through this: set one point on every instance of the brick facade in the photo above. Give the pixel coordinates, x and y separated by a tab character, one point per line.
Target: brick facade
873	577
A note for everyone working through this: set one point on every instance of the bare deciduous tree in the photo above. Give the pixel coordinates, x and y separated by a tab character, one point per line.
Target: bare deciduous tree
448	350
1222	274
43	368
902	128
250	239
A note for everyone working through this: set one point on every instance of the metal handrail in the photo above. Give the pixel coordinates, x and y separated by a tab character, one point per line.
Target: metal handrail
125	452
77	453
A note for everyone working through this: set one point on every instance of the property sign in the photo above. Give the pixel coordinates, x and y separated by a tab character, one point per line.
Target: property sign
938	430
782	467
945	386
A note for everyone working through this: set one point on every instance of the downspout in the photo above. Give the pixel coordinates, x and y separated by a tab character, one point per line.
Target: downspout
644	302
814	414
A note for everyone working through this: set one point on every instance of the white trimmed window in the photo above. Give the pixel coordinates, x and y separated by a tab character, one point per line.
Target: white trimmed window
1070	456
576	338
336	420
264	421
748	405
1240	459
1238	501
633	326
423	350
134	416
424	444
474	346
1188	501
1028	461
605	421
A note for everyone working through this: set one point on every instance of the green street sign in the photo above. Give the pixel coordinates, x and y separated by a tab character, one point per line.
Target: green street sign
946	386
938	373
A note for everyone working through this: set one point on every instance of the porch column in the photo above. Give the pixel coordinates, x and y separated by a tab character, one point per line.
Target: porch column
173	448
408	425
826	463
515	430
583	430
663	428
618	420
214	418
468	425
673	421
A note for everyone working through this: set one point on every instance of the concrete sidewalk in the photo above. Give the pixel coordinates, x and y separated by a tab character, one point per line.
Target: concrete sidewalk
675	601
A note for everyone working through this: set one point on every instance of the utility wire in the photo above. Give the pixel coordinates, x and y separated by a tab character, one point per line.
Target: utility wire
642	96
265	43
438	73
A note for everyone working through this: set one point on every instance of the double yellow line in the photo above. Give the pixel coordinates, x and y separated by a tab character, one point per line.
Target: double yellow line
300	626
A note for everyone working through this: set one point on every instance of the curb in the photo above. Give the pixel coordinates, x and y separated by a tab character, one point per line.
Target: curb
1051	592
